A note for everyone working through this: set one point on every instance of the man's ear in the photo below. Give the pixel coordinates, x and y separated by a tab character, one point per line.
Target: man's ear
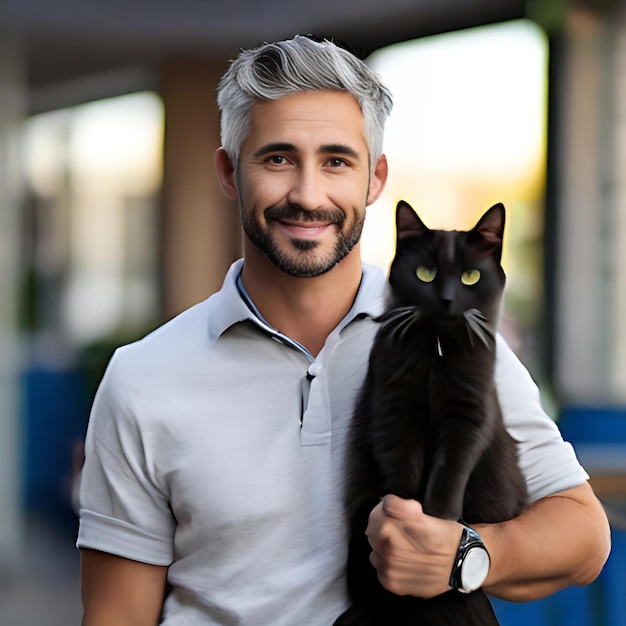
225	170
378	180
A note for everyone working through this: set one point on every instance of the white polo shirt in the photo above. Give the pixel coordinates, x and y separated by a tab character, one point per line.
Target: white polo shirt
215	446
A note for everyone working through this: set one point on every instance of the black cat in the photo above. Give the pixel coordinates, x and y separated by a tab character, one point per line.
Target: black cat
428	424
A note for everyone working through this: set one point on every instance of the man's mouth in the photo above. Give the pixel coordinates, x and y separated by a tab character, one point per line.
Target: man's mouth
296	218
305	230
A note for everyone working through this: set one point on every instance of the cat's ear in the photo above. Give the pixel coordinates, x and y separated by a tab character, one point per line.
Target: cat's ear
408	224
489	231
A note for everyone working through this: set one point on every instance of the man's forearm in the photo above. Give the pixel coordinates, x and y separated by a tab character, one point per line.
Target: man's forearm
561	540
119	592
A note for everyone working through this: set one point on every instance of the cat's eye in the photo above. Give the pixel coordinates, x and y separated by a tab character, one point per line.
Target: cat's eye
426	274
471	277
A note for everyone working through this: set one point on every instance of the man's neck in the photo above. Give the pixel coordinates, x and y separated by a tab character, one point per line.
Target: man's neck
305	309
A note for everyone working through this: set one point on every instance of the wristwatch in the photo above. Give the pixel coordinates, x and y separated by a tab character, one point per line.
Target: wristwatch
471	563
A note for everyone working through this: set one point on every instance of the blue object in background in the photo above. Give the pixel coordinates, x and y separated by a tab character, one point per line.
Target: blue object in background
598	435
54	419
591	425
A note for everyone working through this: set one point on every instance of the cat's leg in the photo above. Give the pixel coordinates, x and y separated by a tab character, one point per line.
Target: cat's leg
398	442
399	414
452	465
462	425
464	413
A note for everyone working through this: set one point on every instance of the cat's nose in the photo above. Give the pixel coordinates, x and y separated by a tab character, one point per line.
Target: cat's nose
447	294
447	305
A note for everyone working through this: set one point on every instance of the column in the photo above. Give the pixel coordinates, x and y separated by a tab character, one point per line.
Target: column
585	237
200	233
12	97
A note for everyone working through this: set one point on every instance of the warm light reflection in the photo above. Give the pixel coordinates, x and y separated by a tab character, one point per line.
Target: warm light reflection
119	140
468	130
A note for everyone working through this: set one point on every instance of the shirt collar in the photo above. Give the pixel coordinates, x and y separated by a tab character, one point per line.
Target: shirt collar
230	307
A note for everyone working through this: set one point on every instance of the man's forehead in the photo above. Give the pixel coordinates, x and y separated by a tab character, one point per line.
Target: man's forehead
323	113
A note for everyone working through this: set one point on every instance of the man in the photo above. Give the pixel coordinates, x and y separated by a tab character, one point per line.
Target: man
215	447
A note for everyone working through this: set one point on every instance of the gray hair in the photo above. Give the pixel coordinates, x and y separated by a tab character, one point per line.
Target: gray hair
273	70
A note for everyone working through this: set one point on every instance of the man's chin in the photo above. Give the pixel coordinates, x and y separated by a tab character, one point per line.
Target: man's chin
303	268
305	245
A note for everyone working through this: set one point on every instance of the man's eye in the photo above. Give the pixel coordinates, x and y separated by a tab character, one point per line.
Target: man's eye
277	159
336	162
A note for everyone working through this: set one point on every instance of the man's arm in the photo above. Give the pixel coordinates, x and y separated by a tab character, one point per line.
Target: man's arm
561	540
120	592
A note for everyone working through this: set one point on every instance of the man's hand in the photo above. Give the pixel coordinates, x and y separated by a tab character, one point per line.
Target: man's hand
559	541
412	552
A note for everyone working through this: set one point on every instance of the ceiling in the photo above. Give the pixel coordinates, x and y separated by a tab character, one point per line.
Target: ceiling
64	41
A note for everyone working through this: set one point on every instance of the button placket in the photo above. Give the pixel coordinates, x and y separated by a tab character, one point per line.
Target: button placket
316	419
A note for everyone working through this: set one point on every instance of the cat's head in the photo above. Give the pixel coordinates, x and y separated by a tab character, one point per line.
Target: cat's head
446	273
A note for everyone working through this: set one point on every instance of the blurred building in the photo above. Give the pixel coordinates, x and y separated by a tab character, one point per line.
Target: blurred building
67	294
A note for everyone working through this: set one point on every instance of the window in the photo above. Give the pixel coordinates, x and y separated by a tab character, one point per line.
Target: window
93	174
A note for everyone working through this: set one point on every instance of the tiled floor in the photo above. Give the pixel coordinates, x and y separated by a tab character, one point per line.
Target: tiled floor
43	588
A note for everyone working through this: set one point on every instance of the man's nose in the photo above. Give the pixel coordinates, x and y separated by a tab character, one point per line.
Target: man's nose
307	189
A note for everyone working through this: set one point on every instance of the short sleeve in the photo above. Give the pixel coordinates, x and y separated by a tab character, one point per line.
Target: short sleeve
548	462
124	508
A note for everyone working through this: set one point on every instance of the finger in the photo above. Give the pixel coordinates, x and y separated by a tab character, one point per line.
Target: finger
401	509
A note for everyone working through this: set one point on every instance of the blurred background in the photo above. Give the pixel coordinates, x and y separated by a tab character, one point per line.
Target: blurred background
111	219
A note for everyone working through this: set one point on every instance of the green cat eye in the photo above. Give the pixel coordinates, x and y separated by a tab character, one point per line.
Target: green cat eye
471	277
426	274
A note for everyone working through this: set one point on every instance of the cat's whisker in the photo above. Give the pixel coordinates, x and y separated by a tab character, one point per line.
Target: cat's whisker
395	314
398	322
404	327
478	325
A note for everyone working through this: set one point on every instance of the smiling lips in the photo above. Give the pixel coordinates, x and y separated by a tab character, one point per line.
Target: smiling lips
306	230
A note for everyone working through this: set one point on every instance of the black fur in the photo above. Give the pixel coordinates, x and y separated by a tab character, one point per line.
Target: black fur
428	424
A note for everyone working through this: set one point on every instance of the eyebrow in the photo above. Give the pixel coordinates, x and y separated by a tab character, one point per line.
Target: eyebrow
275	147
331	148
338	148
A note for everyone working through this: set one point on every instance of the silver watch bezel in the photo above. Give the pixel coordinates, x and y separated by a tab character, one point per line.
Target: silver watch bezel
471	552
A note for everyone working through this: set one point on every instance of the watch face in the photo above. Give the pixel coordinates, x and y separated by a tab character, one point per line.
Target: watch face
474	569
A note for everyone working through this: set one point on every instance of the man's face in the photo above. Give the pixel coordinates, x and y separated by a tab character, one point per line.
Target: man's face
303	180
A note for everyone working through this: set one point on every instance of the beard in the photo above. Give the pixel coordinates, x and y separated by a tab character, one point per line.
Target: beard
301	260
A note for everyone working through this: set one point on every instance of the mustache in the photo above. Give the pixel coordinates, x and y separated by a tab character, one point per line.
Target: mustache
294	213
